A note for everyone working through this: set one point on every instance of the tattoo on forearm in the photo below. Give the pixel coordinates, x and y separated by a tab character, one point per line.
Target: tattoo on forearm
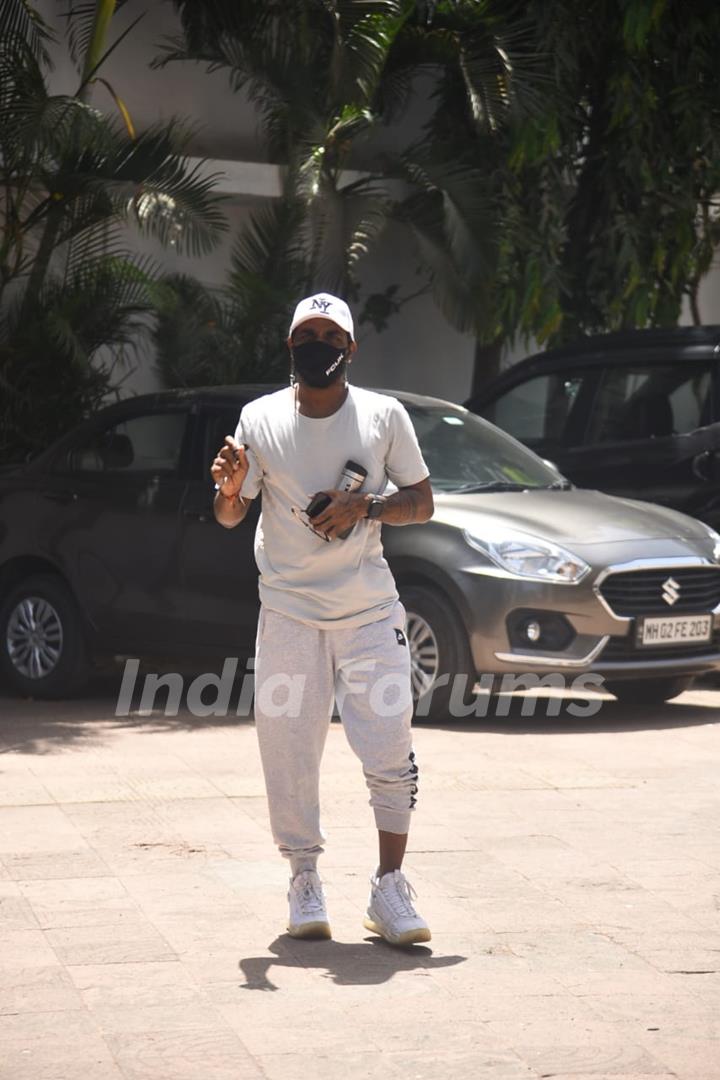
402	508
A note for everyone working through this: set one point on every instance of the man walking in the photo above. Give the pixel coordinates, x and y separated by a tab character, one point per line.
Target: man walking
331	622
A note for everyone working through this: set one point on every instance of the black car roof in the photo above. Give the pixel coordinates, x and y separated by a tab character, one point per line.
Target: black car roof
238	392
699	342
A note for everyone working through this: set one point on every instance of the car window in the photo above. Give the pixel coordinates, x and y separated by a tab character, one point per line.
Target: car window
538	409
149	443
217	426
645	402
461	449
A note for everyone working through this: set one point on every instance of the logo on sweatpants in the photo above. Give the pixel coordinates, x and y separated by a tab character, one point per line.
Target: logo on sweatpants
400	637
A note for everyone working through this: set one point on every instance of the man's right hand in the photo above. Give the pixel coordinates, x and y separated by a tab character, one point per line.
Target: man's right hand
230	467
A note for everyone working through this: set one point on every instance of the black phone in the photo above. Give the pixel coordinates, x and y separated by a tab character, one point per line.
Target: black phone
317	504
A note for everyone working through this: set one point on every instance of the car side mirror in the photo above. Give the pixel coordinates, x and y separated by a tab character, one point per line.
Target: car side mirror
117	452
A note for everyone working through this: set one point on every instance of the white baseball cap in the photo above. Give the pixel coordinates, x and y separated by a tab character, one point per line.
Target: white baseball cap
324	306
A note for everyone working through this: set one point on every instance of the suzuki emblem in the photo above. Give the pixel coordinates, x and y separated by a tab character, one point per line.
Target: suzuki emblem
670	591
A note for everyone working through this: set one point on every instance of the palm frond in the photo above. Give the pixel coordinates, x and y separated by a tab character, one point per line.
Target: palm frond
90	241
79	23
456	222
148	178
503	70
368	31
365	233
103	303
176	203
195	335
20	21
269	253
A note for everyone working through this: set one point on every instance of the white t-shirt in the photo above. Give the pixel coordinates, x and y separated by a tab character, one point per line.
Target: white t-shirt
344	582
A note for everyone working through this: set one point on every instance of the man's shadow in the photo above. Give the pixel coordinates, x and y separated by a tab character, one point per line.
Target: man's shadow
348	964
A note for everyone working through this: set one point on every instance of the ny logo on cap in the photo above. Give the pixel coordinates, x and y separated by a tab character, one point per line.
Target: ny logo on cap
323	305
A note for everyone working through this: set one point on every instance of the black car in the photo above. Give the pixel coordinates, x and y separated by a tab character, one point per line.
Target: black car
634	413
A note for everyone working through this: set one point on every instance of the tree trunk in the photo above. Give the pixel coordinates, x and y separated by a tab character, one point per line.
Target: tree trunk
104	11
41	262
486	366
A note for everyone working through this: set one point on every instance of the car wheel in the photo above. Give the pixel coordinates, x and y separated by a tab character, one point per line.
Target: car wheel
42	645
648	691
438	646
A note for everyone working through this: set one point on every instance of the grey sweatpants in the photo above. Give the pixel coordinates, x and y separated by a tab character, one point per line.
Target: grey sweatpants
299	672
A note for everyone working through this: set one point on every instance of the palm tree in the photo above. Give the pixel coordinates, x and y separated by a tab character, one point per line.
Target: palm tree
602	177
73	296
325	75
314	71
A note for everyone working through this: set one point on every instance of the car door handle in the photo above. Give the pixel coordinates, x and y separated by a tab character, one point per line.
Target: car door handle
61	496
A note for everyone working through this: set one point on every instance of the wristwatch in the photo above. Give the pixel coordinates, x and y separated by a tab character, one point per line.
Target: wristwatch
374	507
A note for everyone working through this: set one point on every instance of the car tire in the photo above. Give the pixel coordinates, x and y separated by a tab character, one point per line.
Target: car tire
438	645
648	691
58	665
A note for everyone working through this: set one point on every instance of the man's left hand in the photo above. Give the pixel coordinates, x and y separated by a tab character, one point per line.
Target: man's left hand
345	509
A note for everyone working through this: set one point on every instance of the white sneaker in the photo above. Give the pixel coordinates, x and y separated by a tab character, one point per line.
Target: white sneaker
308	917
390	911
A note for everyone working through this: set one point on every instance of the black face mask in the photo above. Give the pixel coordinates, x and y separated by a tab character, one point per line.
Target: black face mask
319	364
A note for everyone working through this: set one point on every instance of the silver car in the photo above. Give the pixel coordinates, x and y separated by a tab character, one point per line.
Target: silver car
109	545
520	573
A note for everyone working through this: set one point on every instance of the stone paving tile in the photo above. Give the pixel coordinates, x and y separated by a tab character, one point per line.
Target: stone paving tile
678	950
569	877
368	1066
296	1035
688	1056
184	1017
44	865
67	902
24	948
58	1045
183	1055
37	989
34	829
360	1065
575	948
113	986
49	1062
91	788
21	788
104	945
15	911
614	1057
652	1008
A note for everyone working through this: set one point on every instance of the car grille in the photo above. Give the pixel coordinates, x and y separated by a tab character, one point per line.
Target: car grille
624	648
640	592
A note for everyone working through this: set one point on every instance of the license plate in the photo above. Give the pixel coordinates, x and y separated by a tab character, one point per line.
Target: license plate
675	629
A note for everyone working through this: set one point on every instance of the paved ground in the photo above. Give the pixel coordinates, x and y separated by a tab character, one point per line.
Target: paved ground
568	869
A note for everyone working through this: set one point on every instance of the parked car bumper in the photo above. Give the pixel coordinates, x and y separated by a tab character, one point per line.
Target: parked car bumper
595	638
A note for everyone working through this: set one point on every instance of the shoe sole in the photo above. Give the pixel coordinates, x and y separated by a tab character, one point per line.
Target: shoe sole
409	937
310	930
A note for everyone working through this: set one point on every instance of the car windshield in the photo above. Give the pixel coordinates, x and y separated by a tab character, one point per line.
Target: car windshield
466	454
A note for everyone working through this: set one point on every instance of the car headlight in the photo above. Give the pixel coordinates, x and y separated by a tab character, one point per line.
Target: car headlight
529	557
715	537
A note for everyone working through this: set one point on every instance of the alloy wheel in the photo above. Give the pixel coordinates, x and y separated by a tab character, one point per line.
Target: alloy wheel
424	653
34	637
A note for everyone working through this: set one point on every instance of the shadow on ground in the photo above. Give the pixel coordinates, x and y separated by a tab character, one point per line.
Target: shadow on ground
367	963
